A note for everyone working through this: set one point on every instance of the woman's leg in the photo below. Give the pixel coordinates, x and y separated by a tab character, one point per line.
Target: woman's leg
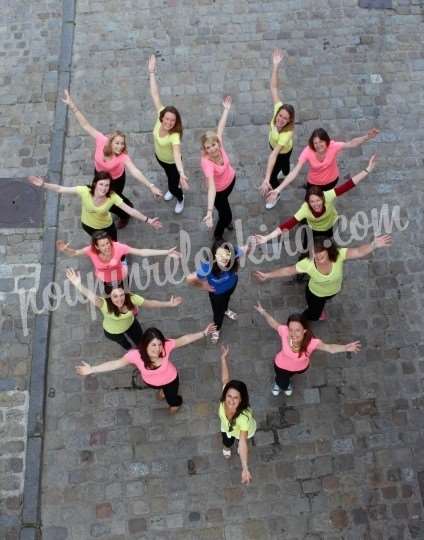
170	391
282	164
173	176
282	377
134	333
219	303
118	186
227	441
315	305
225	216
121	339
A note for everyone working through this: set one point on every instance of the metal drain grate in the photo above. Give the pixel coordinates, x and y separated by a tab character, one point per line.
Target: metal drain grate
21	205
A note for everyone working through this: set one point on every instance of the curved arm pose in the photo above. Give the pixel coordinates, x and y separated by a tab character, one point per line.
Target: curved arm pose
321	156
119	310
219	174
108	256
111	156
96	203
280	135
152	359
167	135
325	271
318	208
236	417
297	346
219	278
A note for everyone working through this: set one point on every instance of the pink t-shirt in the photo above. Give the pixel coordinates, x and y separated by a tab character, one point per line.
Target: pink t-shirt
289	360
223	175
322	172
114	270
114	166
164	374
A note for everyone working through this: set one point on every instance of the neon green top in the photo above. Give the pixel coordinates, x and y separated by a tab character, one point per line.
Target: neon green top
96	217
119	324
163	145
283	138
328	218
320	284
244	422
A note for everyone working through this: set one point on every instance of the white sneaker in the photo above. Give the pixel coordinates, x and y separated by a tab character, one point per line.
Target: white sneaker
179	207
289	390
226	452
270	205
275	390
168	196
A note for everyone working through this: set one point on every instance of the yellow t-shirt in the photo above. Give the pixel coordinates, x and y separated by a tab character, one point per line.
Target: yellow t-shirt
163	145
328	218
244	422
320	284
283	138
96	217
119	324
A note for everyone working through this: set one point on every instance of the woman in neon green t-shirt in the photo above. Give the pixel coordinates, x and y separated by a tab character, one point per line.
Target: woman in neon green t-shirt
280	135
236	416
96	202
325	270
167	135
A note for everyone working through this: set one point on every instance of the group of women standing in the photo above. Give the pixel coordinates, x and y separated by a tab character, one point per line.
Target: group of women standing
149	350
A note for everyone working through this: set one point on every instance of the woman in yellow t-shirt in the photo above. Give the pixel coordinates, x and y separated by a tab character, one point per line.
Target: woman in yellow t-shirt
325	270
96	202
280	135
119	311
167	135
236	416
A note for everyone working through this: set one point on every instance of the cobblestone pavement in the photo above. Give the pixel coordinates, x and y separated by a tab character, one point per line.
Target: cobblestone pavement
342	458
29	37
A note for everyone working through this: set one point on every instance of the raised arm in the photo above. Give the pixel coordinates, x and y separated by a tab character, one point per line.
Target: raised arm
154	88
208	219
172	252
277	57
383	241
37	181
75	278
85	369
64	247
81	119
223	120
335	348
191	338
265	187
357	141
174	301
286	271
225	373
136	214
368	169
176	150
138	175
270	320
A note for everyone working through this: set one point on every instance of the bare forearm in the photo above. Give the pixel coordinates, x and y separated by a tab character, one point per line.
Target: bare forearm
190	338
274	78
335	348
270	320
244	454
270	165
360	176
154	88
51	187
156	303
112	365
225	373
222	121
149	252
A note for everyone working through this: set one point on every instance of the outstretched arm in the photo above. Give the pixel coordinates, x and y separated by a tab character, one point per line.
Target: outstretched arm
192	279
368	169
75	278
174	301
64	247
85	369
334	348
270	320
243	450
138	175
153	222
191	338
383	241
277	57
225	372
81	119
357	141
223	120
154	87
172	252
286	271
37	181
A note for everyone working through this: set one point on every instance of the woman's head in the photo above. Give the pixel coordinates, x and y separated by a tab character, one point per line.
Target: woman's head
319	140
299	333
118	299
224	257
116	144
151	346
210	143
101	185
315	198
325	250
284	118
235	396
170	119
101	242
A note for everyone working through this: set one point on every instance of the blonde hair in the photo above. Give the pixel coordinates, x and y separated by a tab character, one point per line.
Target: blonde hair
107	150
209	137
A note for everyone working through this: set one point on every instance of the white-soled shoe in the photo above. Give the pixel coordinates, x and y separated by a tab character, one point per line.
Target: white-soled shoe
168	196
226	452
275	390
270	205
289	390
179	207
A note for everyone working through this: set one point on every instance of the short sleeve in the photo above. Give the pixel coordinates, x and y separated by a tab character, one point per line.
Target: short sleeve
304	155
330	195
137	300
282	330
121	249
301	213
132	356
116	199
276	107
243	422
203	271
313	344
207	167
337	146
174	138
303	266
81	190
284	138
343	253
86	251
101	140
103	307
169	346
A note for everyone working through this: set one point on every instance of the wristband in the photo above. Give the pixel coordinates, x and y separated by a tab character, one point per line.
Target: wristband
146	220
367	171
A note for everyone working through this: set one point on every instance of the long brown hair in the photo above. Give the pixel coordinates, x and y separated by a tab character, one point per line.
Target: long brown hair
307	336
101	176
317	191
149	335
328	245
99	235
321	134
244	404
178	128
111	308
107	150
290	111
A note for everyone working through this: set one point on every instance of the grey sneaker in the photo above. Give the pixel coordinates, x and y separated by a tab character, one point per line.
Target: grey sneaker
289	390
168	196
275	390
179	207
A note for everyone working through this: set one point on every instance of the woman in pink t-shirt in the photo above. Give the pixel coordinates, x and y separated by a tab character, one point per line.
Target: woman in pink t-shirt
108	257
111	156
219	174
297	346
321	156
152	359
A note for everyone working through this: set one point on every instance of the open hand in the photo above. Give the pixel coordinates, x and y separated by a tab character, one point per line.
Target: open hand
209	329
372	162
155	223
175	301
83	369
265	188
156	192
225	351
383	241
67	100
61	245
227	102
246	477
261	276
184	182
272	196
277	57
259	308
174	253
354	347
36	181
73	276
372	133
208	220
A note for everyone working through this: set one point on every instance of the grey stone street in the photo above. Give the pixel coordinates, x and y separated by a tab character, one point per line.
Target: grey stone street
343	457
